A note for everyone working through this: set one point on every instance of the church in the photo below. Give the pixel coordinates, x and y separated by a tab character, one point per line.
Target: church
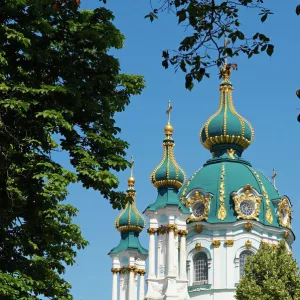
201	230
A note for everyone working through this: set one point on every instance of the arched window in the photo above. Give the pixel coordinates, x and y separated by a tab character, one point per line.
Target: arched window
200	269
243	259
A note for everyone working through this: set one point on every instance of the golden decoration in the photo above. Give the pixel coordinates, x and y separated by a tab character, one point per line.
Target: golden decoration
269	216
246	193
141	272
183	232
248	226
182	198
123	270
231	153
131	268
198	246
198	228
287	234
229	243
222	210
216	243
248	244
226	139
171	227
162	229
197	196
284	213
152	230
115	270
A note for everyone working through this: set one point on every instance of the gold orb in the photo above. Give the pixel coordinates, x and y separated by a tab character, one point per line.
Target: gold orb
168	129
131	180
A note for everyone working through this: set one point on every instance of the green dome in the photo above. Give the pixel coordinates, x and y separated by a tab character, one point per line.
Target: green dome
225	180
130	219
226	128
168	173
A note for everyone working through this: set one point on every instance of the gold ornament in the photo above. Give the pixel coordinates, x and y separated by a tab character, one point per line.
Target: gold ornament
171	227
115	270
123	270
246	194
248	226
216	243
198	228
198	246
204	199
248	244
182	232
152	230
287	234
231	153
229	243
131	268
162	229
222	210
284	213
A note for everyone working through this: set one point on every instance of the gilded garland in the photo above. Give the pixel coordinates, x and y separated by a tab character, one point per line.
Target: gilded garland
247	197
284	213
222	210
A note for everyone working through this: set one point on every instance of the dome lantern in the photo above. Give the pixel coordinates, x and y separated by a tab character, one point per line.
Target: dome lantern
226	129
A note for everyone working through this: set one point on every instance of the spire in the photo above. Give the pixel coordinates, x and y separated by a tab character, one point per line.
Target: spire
226	130
168	173
130	219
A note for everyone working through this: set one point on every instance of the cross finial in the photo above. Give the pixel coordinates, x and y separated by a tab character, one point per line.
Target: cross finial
168	112
131	166
274	175
226	42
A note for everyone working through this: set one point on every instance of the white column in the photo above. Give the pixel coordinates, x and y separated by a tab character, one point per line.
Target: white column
134	297
176	246
142	285
131	288
171	249
159	263
114	283
123	285
183	255
151	252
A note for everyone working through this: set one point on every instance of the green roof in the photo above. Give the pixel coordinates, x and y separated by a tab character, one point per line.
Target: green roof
129	241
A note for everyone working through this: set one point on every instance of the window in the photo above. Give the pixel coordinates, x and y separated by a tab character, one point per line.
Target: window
200	269
243	259
247	207
198	209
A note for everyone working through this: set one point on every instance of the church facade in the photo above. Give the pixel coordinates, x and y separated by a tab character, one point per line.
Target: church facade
201	230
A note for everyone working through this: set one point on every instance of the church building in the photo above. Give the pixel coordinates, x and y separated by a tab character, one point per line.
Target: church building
201	230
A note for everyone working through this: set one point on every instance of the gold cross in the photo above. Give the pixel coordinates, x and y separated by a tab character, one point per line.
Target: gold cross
131	166
168	112
274	175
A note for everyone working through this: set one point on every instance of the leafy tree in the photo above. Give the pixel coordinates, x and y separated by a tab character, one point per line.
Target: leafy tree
270	274
59	91
208	24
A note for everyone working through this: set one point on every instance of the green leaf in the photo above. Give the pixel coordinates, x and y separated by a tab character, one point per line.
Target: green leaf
270	49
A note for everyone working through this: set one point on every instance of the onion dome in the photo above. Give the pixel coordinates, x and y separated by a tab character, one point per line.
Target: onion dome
130	219
130	222
226	129
168	176
168	173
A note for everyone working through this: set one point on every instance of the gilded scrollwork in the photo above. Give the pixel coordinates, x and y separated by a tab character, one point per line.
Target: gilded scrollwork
248	226
249	195
216	243
248	244
222	209
198	228
229	243
198	246
195	198
284	213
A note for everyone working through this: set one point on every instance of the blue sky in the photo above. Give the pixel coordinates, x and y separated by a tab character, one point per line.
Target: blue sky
264	94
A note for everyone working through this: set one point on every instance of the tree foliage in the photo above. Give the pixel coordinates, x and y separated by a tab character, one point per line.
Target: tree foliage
59	91
208	24
271	274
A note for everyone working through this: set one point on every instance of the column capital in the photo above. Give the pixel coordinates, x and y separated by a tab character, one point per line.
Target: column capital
131	269
123	270
115	270
141	272
152	230
183	232
171	227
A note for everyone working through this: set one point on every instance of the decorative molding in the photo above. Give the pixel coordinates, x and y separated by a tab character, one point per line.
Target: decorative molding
198	228
287	234
216	243
284	213
183	232
162	229
229	243
248	244
198	246
247	193
131	269
231	153
222	209
171	227
123	270
248	226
